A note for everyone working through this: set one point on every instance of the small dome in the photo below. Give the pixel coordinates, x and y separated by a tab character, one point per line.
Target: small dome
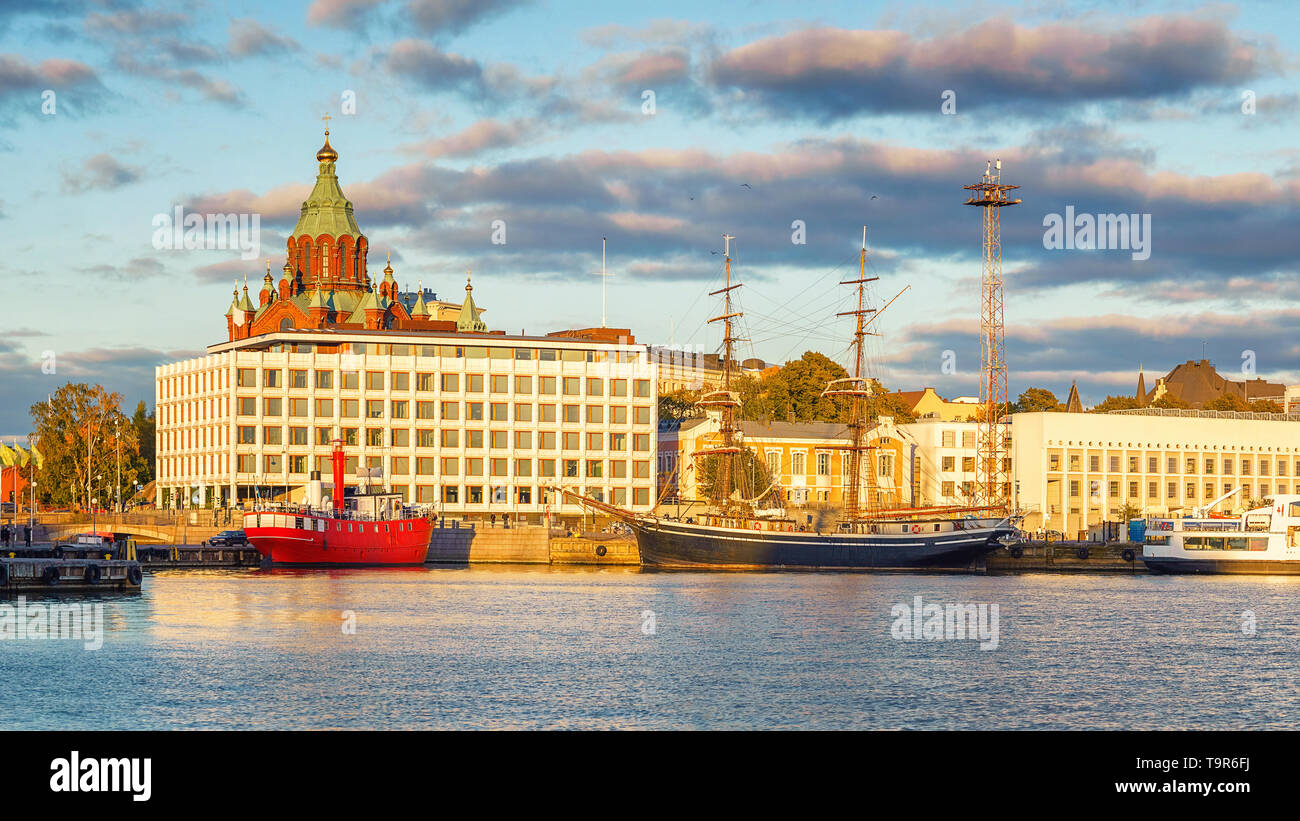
327	152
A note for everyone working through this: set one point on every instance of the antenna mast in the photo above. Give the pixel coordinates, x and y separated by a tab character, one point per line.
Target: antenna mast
991	483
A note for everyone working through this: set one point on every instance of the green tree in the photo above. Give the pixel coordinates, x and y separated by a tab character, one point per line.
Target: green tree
1033	400
145	426
82	432
750	476
1111	403
678	405
794	392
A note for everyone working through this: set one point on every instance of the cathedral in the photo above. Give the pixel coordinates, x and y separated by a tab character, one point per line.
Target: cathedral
326	284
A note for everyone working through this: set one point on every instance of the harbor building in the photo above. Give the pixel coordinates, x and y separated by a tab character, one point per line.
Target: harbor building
1075	469
928	404
1197	383
427	401
806	460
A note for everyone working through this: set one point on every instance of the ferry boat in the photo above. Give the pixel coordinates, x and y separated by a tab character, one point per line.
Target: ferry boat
735	535
366	529
1265	540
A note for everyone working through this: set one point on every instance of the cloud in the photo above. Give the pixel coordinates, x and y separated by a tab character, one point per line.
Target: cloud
479	137
341	13
455	16
248	38
431	68
830	73
23	82
135	269
639	70
101	172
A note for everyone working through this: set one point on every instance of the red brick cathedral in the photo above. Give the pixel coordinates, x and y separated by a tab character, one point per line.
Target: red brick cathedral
326	283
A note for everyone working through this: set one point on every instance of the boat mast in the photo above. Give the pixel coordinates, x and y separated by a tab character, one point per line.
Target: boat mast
858	391
725	399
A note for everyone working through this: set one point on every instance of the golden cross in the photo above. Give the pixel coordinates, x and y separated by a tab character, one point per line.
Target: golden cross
326	118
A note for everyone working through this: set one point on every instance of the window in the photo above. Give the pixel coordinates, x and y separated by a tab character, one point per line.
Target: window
1153	490
1227	466
642	388
500	439
823	464
595	386
797	462
272	435
450	382
474	382
297	436
1114	464
424	382
595	469
350	436
523	440
450	411
401	466
641	441
1209	465
247	406
618	414
1054	462
424	466
246	378
1132	464
572	413
298	464
324	436
523	412
473	438
949	439
500	383
351	408
949	463
618	387
424	410
949	488
596	414
618	441
595	441
325	407
450	438
272	406
642	416
401	437
1153	464
572	386
967	464
271	378
273	463
401	410
523	384
968	438
1172	465
1074	487
500	412
546	385
374	408
546	439
450	466
246	435
401	381
571	441
246	463
298	407
324	380
350	380
297	379
451	494
1171	490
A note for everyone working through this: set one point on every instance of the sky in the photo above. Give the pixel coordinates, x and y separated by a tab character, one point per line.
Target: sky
660	127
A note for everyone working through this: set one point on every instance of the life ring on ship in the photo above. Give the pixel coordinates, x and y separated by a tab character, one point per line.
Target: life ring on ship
1128	554
916	528
50	575
757	526
1082	553
600	550
92	574
133	575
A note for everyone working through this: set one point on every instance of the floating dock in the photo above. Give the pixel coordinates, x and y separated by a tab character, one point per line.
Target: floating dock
48	574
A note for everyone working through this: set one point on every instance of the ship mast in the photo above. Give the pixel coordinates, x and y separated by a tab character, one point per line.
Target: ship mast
857	389
725	400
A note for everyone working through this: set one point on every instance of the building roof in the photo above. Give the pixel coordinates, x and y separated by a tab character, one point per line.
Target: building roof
1199	382
327	210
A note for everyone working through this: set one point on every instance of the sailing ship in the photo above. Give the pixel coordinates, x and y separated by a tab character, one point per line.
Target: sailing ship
365	529
733	534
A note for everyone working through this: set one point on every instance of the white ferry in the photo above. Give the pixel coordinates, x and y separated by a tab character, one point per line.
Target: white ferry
1265	540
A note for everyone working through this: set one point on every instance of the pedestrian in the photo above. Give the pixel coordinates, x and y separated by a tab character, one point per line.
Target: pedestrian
4	534
27	535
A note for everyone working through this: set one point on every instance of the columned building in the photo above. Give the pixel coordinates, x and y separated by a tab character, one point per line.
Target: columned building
428	402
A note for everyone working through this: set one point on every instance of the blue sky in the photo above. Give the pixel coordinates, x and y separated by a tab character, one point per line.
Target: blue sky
765	113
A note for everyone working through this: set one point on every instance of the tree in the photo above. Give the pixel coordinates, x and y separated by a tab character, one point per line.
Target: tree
1128	511
1169	401
1233	402
1111	403
1265	406
750	476
678	405
82	433
145	425
794	392
1037	399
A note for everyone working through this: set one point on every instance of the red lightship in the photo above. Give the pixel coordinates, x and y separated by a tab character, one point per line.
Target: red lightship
366	529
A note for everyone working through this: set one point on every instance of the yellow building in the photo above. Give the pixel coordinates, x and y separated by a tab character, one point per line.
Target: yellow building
807	460
928	404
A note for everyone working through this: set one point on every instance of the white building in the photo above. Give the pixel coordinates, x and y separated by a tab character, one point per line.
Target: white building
473	424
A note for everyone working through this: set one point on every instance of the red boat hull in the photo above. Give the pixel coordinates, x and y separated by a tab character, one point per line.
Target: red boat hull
317	540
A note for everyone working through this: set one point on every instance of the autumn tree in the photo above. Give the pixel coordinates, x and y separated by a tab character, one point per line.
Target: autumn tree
1170	402
83	433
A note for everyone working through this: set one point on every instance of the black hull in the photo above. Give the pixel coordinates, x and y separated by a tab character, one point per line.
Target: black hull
1220	566
678	545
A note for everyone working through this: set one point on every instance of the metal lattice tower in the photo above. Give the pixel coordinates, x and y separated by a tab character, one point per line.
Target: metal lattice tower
990	470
